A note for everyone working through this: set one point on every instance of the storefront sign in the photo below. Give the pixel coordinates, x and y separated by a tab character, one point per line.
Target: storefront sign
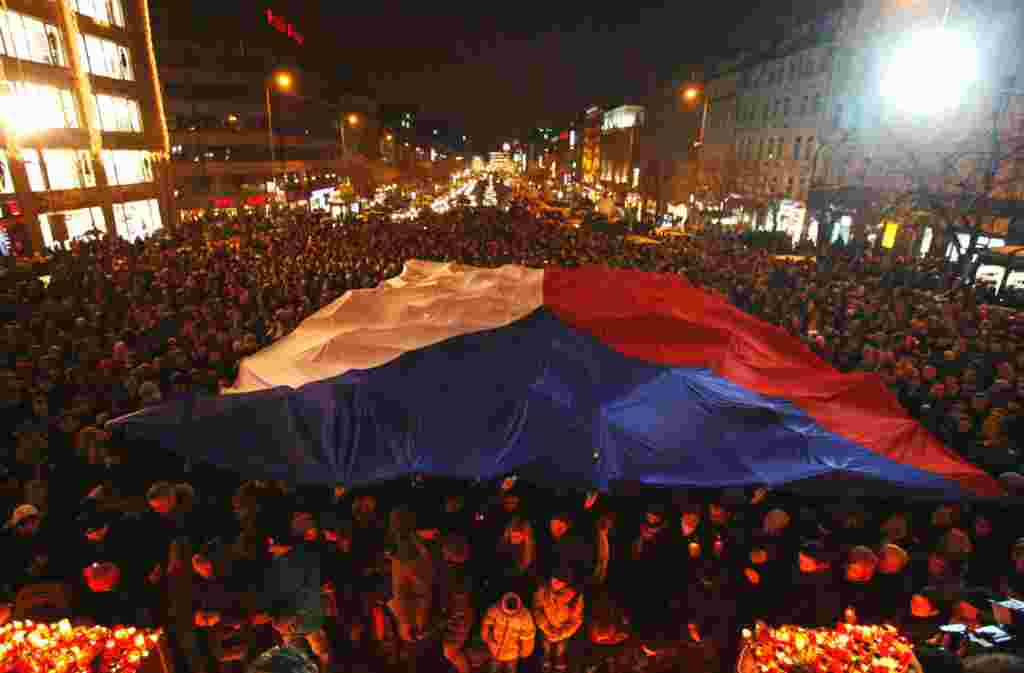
223	202
257	200
281	25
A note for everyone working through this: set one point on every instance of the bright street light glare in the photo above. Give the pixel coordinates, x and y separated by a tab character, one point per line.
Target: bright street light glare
283	80
930	74
353	119
691	93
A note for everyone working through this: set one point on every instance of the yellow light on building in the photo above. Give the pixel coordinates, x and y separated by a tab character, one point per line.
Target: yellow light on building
889	235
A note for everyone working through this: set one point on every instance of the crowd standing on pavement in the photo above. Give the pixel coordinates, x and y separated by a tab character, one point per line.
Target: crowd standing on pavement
450	575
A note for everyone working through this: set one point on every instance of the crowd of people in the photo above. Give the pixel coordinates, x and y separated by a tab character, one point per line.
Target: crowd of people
453	574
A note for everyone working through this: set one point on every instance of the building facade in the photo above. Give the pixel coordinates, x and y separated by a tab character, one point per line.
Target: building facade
620	141
239	141
590	145
84	137
782	110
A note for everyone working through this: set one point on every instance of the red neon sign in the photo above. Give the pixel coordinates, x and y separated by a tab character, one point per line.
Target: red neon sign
281	25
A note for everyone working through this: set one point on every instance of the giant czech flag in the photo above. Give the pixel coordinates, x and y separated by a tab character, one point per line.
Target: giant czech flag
579	377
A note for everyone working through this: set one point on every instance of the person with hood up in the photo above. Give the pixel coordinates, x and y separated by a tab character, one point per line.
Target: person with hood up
508	631
558	613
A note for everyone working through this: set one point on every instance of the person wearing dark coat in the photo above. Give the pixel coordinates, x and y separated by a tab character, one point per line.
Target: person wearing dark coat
814	601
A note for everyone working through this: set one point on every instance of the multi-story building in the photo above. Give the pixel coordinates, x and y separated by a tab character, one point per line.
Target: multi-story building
717	143
222	101
82	122
620	138
782	109
590	145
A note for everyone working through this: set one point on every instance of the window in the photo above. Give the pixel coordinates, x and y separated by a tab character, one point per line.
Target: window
69	169
106	58
803	105
796	148
778	106
809	149
127	167
760	149
71	225
785	107
118	114
34	168
837	116
101	11
792	70
6	182
40	107
137	219
30	39
767	111
818	101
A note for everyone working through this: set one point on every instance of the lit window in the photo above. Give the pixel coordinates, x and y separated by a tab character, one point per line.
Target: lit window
69	169
39	107
101	11
137	219
127	167
71	225
30	39
6	183
106	58
118	114
34	168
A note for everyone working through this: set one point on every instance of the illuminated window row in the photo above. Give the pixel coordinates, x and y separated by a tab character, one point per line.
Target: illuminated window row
101	11
132	220
35	107
72	169
105	58
32	107
30	39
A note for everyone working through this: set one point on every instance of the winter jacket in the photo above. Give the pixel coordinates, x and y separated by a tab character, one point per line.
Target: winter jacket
509	634
558	614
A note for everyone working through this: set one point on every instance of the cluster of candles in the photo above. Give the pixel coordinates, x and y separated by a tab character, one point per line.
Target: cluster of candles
29	647
849	648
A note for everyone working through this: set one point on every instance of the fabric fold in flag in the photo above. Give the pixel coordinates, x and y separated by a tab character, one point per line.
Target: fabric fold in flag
619	376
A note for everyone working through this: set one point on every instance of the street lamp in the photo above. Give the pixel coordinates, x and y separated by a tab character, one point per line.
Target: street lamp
282	81
931	72
353	120
690	95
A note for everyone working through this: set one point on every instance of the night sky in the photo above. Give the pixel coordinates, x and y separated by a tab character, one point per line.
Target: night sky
496	67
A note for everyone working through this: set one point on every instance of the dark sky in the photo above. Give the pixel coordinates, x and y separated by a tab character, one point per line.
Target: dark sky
497	67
